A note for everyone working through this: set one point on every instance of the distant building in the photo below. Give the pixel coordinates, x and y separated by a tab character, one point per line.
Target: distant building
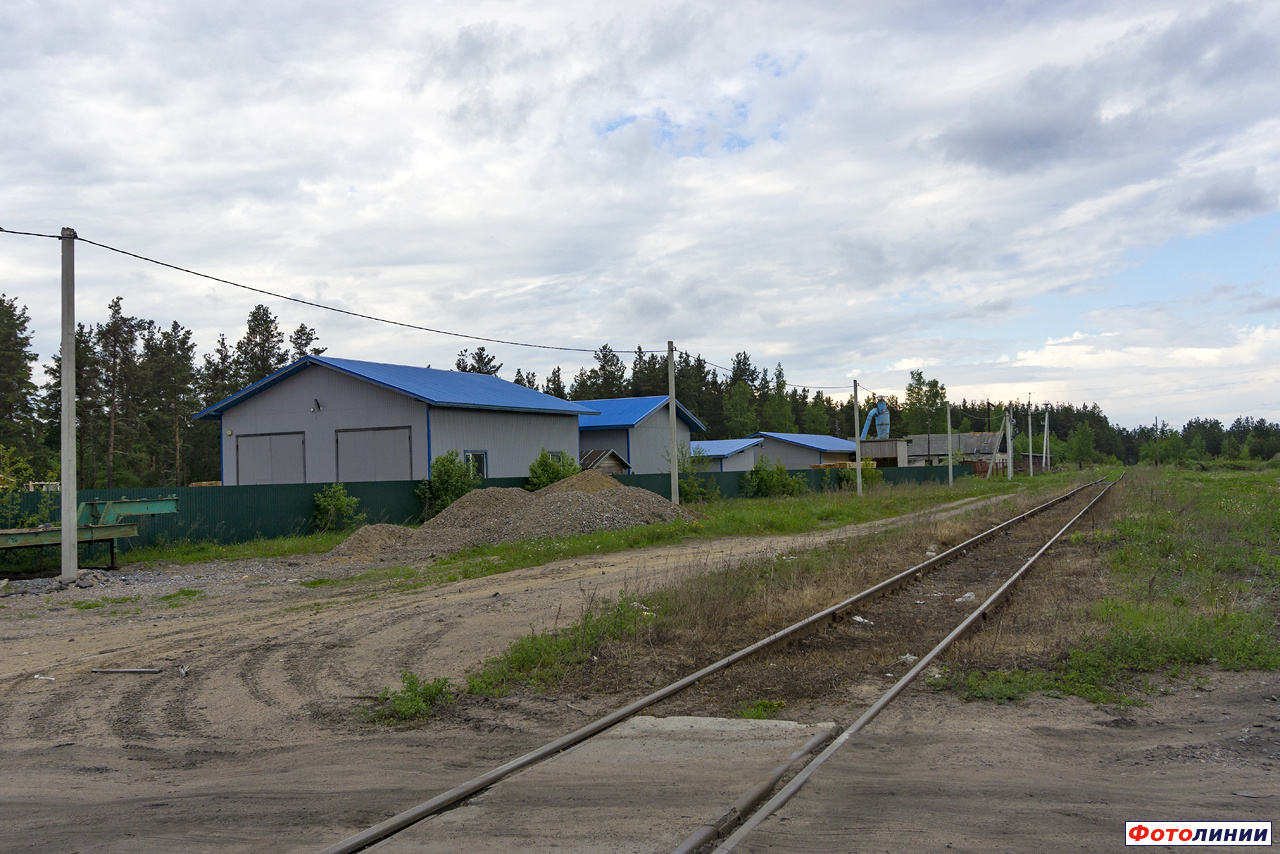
608	461
931	448
801	450
323	419
637	429
729	454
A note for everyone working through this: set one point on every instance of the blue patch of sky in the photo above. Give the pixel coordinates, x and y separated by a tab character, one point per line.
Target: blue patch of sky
1240	262
712	134
1244	256
777	66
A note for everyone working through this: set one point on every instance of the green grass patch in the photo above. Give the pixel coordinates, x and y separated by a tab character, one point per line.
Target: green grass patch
414	701
545	657
184	552
1195	564
760	710
180	598
721	518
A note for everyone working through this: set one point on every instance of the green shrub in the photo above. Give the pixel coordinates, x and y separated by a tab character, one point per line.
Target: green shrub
549	468
870	475
414	701
760	710
335	510
766	481
451	478
693	488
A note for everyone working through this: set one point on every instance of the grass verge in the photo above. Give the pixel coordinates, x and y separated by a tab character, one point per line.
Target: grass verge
1193	560
721	518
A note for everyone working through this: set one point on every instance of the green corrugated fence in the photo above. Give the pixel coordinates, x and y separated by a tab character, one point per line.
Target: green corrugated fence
237	514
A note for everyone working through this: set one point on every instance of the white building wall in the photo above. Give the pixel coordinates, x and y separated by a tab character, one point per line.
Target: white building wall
510	440
744	461
651	443
346	403
604	440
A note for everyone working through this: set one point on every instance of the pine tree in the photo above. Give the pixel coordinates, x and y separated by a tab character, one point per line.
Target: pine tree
776	414
167	371
260	353
478	362
117	345
740	412
89	411
554	386
302	340
18	426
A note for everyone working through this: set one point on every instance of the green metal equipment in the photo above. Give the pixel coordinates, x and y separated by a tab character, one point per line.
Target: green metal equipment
96	522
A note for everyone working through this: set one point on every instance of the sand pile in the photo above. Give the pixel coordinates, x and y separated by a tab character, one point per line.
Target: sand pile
583	504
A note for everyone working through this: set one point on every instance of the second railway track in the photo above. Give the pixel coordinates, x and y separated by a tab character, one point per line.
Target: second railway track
920	611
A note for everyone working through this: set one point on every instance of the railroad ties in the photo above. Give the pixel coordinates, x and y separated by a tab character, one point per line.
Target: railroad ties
673	784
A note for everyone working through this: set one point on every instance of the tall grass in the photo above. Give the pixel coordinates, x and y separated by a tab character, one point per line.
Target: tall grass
1194	567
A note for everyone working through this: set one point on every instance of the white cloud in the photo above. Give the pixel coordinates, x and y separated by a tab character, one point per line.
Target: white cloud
853	190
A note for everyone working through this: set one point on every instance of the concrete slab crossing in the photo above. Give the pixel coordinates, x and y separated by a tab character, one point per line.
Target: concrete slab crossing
642	787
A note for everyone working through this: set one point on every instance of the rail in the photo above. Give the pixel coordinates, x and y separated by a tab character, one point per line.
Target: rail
402	820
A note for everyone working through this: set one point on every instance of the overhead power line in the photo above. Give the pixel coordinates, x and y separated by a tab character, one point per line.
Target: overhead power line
376	319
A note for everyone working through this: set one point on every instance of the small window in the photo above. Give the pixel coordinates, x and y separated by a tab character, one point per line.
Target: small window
558	456
478	461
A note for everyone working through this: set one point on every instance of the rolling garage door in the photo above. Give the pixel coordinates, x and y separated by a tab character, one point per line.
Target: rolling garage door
379	454
270	458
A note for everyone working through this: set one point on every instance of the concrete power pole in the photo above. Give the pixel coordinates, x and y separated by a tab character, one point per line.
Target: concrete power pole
70	543
950	481
671	422
857	438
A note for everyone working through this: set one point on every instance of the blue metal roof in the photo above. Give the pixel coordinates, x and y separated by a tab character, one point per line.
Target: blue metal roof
816	441
718	449
626	412
438	388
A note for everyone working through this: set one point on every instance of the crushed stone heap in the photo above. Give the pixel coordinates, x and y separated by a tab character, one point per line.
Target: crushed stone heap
589	501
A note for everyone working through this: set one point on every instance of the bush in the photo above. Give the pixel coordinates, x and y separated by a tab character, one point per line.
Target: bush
451	478
692	488
870	476
335	510
549	468
765	480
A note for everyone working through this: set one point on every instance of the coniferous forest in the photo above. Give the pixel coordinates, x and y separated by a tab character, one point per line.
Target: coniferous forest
139	383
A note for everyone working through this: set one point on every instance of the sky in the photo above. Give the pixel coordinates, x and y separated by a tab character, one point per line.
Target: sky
1067	201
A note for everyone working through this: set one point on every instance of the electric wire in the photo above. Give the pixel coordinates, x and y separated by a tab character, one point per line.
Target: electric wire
375	318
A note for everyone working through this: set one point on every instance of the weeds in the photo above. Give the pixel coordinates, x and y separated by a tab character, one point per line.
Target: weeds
181	597
414	701
1194	570
545	657
761	710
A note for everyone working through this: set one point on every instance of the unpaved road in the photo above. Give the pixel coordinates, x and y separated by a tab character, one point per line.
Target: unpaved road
258	746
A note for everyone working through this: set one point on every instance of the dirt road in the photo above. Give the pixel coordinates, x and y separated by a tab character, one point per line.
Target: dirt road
259	747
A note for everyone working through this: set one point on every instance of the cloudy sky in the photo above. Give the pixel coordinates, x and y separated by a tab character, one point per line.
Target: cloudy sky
1069	200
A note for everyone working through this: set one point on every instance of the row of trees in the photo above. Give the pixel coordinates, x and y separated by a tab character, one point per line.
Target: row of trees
138	383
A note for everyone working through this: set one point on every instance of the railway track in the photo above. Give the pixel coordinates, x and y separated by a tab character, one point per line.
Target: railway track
756	805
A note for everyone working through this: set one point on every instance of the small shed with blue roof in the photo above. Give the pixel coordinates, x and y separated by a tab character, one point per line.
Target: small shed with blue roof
637	429
729	454
801	450
323	419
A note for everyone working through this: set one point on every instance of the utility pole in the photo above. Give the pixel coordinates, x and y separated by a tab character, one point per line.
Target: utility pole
1044	460
1031	449
671	422
950	481
1008	430
70	542
857	438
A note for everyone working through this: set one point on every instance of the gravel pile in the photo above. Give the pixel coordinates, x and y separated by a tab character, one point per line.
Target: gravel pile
582	504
